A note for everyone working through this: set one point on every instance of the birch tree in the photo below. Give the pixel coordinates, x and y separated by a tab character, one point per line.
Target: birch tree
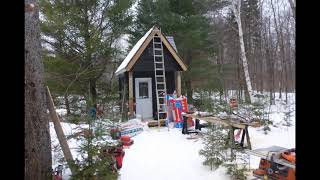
236	6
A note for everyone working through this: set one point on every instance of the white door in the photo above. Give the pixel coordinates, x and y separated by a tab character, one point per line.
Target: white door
143	88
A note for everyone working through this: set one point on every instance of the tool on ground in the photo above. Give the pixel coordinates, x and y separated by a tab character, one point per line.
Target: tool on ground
276	163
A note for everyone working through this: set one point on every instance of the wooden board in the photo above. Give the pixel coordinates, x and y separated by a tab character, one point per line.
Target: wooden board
226	122
59	131
154	123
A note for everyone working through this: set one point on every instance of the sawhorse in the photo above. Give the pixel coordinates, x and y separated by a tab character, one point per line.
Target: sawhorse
245	133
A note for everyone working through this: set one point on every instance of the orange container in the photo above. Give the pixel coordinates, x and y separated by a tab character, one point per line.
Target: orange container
125	138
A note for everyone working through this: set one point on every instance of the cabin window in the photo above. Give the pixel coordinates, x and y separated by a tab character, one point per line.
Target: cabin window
143	90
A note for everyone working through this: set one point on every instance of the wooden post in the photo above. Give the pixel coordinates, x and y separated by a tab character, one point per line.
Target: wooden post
242	137
248	137
130	93
124	90
232	145
178	83
61	137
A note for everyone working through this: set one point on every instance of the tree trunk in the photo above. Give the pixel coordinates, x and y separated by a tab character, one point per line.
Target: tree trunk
283	57
277	45
269	62
293	7
66	100
37	149
288	60
93	93
188	86
236	6
280	87
262	54
189	90
239	80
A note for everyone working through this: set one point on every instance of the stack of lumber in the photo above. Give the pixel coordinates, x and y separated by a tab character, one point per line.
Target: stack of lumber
154	123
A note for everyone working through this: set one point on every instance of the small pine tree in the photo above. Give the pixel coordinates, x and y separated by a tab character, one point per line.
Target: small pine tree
217	153
203	102
214	150
237	165
257	110
94	163
288	114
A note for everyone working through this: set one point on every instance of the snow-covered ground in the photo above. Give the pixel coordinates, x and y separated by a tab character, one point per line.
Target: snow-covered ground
57	154
162	154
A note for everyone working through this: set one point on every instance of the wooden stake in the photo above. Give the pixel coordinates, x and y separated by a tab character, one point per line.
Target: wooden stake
60	134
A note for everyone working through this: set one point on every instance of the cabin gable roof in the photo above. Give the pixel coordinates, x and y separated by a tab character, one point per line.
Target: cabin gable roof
128	63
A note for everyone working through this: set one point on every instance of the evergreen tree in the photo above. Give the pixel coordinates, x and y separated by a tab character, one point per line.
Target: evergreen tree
94	162
188	22
82	35
237	166
288	114
215	147
217	150
143	21
259	110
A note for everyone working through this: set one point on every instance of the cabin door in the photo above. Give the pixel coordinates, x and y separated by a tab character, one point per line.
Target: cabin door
143	93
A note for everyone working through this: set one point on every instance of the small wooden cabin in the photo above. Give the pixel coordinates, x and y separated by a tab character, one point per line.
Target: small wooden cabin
137	73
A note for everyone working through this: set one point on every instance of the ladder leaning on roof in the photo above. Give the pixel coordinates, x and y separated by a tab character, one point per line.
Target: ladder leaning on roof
160	77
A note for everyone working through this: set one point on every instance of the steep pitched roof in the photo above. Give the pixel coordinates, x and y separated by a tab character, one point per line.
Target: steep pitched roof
139	47
172	43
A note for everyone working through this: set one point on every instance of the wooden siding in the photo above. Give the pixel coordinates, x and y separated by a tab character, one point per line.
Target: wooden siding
145	61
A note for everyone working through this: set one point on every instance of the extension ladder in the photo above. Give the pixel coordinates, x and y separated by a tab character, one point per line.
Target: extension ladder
160	78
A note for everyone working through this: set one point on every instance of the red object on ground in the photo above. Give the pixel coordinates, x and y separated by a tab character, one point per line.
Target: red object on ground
233	103
190	121
119	158
184	104
127	143
118	155
177	113
126	140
